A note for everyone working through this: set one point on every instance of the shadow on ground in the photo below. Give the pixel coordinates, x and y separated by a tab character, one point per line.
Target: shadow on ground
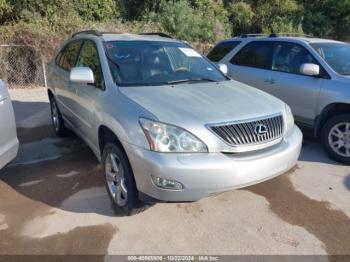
54	181
31	114
312	150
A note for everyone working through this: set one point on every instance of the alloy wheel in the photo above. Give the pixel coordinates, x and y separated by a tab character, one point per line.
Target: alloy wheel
55	116
115	178
339	139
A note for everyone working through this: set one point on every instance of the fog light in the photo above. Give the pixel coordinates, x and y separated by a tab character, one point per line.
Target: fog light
167	183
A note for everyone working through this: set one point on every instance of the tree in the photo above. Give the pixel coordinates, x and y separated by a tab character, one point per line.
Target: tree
96	10
327	18
241	16
264	16
5	10
137	9
195	20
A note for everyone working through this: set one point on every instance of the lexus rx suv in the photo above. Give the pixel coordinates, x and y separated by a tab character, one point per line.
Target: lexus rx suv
8	134
311	75
166	124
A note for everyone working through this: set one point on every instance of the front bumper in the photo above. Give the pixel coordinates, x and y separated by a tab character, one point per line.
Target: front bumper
204	174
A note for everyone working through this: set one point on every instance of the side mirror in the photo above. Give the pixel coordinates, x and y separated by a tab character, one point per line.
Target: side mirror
223	68
83	75
310	69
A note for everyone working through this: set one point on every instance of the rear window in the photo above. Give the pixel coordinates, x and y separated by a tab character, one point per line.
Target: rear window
255	54
222	49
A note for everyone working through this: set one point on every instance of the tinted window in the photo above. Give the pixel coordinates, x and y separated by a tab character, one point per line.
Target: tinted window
58	57
89	57
288	57
254	54
222	49
69	56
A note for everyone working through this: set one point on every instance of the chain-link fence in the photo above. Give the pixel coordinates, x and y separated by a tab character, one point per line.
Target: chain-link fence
21	66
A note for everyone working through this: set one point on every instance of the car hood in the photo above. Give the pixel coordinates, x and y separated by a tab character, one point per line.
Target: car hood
206	103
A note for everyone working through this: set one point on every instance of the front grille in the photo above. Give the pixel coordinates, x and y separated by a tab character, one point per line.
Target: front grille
251	132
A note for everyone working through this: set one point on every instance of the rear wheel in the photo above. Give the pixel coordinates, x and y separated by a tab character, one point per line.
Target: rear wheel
120	182
56	119
336	138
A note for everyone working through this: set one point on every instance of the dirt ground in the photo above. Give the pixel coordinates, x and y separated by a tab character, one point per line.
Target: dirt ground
53	201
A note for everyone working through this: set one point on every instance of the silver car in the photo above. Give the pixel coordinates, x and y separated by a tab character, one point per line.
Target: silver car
311	75
8	135
165	122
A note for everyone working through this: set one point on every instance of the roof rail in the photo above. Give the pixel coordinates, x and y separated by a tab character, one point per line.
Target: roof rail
90	32
93	32
289	34
158	34
253	35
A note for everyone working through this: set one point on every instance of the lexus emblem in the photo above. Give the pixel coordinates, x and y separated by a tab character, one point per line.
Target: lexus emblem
260	129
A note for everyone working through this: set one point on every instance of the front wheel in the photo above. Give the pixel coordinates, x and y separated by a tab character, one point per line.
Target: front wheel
336	138
120	182
56	119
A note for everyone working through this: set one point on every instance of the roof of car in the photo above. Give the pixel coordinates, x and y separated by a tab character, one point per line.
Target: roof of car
285	38
114	36
131	37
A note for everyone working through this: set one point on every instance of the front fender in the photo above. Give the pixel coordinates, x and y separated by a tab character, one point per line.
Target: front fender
121	115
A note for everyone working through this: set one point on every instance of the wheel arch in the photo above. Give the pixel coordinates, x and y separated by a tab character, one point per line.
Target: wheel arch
107	135
328	112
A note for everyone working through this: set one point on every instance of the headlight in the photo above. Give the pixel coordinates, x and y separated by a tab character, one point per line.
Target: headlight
167	138
289	118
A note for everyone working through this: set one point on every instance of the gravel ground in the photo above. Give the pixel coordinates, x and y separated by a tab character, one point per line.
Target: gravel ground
53	201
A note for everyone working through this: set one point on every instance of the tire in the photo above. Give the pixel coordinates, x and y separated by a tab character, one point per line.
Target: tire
120	182
336	138
56	119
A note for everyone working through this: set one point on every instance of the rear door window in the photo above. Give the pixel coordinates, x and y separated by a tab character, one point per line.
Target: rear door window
255	54
68	58
221	50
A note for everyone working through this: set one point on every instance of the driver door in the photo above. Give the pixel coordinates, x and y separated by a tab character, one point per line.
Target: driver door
89	95
285	81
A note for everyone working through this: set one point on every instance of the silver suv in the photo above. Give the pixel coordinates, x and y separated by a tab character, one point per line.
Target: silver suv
164	121
8	136
311	75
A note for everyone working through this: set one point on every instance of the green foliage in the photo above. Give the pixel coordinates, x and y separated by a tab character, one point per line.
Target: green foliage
264	16
284	16
327	18
137	9
192	20
203	20
4	7
96	10
241	16
55	11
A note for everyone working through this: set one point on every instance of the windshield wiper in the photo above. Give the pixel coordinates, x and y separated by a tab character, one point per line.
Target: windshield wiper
191	80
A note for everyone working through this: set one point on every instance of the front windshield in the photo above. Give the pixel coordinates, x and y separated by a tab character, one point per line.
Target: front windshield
337	56
136	63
